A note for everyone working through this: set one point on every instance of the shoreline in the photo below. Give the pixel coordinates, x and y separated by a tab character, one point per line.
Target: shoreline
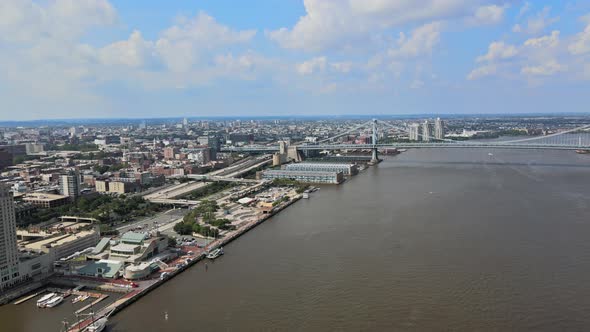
133	296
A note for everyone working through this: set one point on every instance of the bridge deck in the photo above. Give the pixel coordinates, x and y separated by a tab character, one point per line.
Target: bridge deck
461	145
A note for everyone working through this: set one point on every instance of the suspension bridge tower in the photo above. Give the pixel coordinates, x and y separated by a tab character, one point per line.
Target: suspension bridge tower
374	155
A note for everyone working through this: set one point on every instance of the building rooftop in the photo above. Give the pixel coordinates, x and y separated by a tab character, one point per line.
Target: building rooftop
55	241
44	196
102	244
109	268
122	247
133	237
303	173
316	164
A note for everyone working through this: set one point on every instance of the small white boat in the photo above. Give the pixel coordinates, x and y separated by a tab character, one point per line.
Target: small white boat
215	253
97	326
490	154
54	301
80	298
43	300
305	195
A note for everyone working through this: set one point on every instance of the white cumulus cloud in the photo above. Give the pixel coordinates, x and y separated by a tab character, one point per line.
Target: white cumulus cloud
491	14
545	69
133	52
422	40
537	23
544	41
317	64
482	71
337	24
498	51
581	42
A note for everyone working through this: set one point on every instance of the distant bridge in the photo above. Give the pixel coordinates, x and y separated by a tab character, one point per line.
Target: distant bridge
269	149
572	139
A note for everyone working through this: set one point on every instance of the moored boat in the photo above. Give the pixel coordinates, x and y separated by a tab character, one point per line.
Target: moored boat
97	326
54	301
215	253
79	298
44	299
583	151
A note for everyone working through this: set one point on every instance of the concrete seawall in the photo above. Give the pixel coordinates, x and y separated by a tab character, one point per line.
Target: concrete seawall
133	296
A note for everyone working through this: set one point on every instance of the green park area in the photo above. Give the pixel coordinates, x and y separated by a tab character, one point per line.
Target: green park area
106	209
209	226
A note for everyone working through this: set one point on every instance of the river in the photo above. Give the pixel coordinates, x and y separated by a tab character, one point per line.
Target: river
429	240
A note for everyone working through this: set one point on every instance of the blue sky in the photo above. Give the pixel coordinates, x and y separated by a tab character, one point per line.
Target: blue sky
152	58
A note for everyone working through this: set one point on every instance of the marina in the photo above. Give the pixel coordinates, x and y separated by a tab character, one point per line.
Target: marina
184	262
91	308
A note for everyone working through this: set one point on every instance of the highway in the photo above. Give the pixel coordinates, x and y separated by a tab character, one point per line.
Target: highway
160	219
175	191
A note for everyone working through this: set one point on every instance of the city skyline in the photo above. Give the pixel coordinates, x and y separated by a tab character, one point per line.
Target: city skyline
103	59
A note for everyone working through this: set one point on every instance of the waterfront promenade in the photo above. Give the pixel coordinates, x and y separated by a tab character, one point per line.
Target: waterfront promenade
182	263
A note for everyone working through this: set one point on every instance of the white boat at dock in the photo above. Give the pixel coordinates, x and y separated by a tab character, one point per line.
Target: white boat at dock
215	253
97	326
54	301
44	299
80	298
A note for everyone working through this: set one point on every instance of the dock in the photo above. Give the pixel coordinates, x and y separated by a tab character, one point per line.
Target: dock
95	302
133	296
26	298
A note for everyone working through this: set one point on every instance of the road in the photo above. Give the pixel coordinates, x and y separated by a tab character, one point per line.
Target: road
175	191
160	219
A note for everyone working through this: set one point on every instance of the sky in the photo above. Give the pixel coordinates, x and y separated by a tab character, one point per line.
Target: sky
153	58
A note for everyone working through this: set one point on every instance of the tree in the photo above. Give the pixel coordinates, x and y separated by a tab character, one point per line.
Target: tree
172	242
183	228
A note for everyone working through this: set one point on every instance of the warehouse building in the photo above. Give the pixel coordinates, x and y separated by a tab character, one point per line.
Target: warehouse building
346	169
304	176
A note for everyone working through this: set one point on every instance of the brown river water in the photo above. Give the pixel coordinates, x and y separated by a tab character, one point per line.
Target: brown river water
429	240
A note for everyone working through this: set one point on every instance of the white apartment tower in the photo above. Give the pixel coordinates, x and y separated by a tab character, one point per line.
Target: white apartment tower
9	264
69	185
426	132
439	129
414	133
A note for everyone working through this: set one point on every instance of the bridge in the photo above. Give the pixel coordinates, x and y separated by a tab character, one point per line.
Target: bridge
571	139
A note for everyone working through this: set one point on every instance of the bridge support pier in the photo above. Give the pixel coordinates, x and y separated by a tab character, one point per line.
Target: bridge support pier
374	154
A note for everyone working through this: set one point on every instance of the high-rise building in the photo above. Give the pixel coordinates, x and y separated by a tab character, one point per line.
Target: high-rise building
69	184
9	267
185	122
426	131
414	133
211	141
439	129
33	148
170	152
5	159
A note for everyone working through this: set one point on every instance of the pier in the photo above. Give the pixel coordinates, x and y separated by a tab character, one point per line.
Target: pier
26	298
95	302
135	295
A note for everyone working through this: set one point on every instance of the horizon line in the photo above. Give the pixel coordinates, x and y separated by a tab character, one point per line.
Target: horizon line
319	116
